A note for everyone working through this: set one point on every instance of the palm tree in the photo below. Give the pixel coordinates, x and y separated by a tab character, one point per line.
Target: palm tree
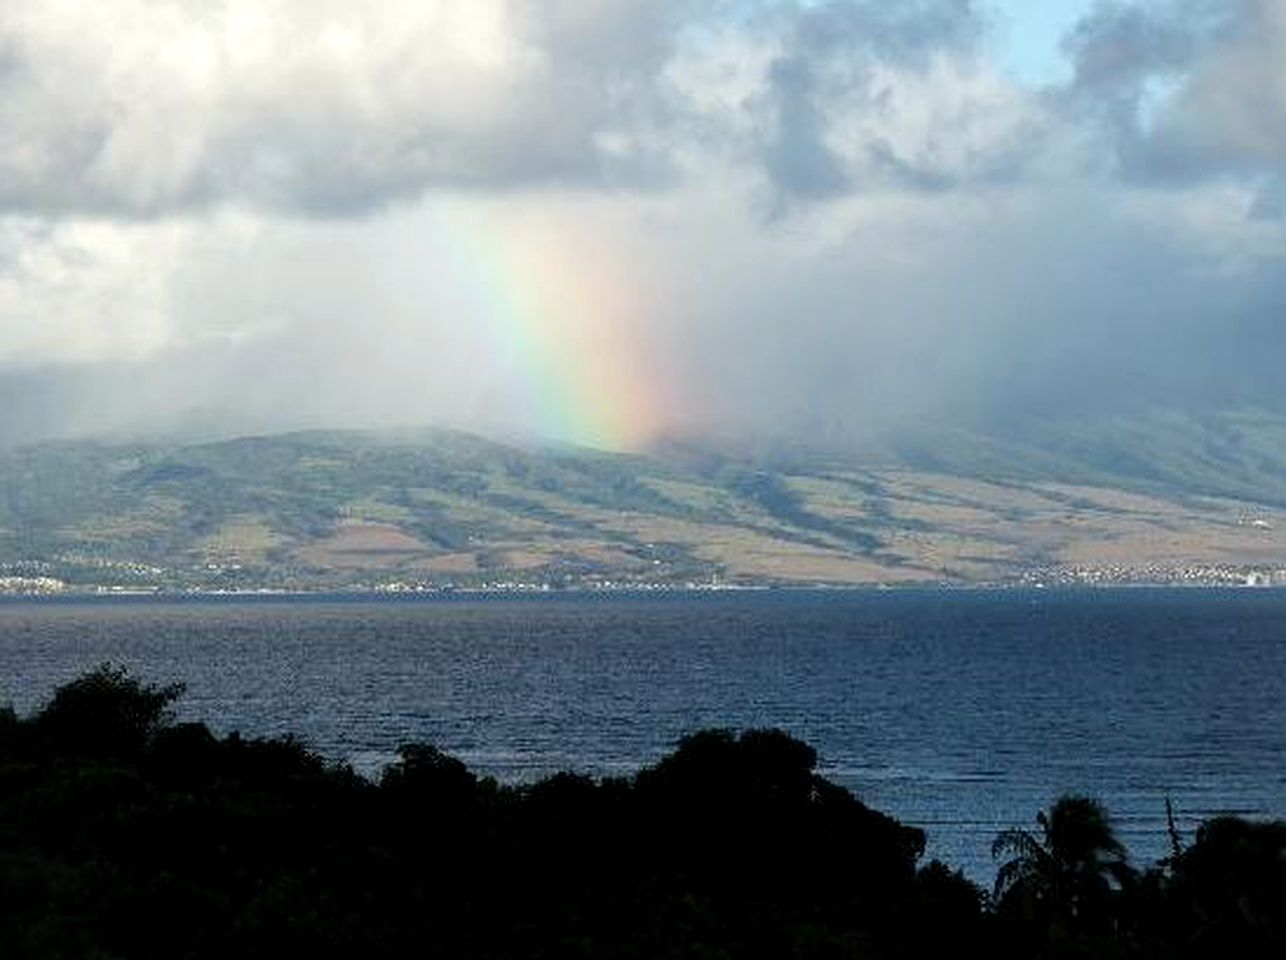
1066	873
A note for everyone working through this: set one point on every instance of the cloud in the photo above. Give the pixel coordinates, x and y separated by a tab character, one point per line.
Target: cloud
1181	91
332	108
833	98
144	108
823	217
1231	111
796	158
336	109
1125	59
998	307
84	291
847	317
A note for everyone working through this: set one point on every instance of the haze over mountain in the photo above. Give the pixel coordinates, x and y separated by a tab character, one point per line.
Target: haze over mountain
610	223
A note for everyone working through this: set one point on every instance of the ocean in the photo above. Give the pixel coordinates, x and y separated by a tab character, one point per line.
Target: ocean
962	712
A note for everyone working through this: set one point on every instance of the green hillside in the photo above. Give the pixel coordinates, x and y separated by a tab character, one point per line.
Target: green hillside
422	509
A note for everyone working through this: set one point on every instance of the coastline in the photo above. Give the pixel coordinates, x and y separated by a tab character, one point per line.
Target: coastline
75	592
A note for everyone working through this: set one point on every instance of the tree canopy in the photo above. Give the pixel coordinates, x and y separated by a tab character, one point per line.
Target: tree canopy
124	834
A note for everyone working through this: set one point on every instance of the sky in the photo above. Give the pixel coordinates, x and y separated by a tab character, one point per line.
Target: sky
608	223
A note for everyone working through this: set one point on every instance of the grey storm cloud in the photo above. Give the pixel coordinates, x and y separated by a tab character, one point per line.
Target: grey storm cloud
825	68
1182	91
1120	53
1231	111
796	159
828	214
903	32
1168	92
867	96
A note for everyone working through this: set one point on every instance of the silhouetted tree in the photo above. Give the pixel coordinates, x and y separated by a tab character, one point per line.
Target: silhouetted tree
1062	877
1229	889
125	834
427	773
104	712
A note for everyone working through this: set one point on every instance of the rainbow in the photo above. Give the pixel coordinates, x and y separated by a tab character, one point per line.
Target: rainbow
561	326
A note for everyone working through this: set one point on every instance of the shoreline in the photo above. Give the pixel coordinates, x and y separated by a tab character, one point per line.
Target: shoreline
377	594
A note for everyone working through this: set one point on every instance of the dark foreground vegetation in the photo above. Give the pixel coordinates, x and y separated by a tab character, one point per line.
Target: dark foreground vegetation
126	834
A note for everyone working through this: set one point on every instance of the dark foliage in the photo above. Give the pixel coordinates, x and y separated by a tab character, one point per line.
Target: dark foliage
125	834
1069	892
104	713
1065	876
1229	890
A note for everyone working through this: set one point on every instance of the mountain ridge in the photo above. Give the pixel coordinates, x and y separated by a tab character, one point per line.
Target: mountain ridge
1162	498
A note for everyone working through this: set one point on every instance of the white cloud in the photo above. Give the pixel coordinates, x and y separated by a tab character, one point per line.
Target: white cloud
85	292
836	212
140	108
955	121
